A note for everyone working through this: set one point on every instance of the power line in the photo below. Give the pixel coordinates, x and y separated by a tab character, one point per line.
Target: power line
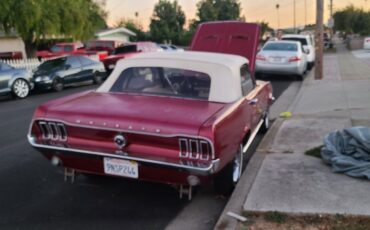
117	6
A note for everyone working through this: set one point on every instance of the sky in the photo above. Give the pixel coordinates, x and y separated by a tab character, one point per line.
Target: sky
253	10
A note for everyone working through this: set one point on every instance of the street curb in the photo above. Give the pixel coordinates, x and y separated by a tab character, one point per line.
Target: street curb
242	189
239	196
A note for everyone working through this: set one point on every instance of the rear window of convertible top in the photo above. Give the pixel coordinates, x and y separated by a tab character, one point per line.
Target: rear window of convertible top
164	81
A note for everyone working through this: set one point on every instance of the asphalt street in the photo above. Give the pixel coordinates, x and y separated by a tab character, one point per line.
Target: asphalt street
33	194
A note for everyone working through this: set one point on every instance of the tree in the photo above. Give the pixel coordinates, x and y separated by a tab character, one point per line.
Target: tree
35	20
134	27
213	10
352	20
264	28
167	22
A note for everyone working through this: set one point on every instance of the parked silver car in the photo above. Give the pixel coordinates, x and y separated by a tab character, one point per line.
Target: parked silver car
17	82
308	43
283	58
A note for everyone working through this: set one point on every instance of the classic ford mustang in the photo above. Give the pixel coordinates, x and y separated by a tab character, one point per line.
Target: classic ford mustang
182	118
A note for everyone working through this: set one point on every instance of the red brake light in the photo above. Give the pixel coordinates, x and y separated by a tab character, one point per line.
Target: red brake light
260	58
195	149
294	59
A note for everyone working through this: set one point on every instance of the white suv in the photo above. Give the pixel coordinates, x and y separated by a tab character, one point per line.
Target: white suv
308	44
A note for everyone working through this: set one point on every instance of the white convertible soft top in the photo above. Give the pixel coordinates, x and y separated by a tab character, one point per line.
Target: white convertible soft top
223	69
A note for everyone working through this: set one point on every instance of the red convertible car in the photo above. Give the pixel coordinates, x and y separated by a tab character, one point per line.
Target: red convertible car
182	118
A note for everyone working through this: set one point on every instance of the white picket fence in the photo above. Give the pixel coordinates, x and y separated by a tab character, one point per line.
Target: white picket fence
29	64
33	63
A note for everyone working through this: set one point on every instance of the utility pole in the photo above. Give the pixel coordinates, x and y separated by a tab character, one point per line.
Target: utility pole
294	16
305	13
319	39
331	8
278	19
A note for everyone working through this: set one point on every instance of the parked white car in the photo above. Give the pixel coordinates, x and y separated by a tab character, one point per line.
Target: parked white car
282	58
367	43
308	44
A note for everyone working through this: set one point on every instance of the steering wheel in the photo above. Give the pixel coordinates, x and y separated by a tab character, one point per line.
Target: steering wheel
182	84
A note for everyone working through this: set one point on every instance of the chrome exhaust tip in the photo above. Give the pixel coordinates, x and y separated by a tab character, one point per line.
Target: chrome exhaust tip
193	180
55	161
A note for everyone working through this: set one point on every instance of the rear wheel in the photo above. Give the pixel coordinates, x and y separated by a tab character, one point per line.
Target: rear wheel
310	65
229	176
98	79
58	85
20	88
299	77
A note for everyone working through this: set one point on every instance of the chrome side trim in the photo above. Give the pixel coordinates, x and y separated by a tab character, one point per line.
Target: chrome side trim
253	135
123	130
207	170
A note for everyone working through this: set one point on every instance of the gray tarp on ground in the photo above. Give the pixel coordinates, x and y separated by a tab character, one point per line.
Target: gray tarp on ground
348	151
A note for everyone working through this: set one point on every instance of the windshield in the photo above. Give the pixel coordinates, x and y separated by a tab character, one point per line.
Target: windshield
279	46
52	64
126	49
164	81
56	49
303	41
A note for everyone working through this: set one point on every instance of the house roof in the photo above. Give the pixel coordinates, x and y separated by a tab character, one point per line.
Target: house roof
115	30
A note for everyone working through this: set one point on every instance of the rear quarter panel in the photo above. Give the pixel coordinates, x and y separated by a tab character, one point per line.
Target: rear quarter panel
227	129
232	125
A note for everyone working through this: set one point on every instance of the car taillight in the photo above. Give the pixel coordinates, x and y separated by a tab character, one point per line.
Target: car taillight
194	149
261	57
53	131
294	59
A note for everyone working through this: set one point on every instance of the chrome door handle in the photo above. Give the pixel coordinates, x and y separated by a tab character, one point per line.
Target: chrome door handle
253	101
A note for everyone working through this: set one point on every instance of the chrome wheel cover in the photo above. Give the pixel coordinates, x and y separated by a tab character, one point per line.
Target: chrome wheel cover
238	165
21	88
58	85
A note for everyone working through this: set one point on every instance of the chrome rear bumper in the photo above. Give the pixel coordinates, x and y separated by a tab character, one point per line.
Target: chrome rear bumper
203	171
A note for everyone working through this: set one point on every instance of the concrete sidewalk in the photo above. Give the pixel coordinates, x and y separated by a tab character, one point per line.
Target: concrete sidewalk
290	181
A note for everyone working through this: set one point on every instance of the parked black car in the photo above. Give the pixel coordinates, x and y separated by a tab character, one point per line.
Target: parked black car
17	82
57	73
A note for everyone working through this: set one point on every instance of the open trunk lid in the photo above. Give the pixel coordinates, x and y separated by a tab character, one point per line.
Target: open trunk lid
229	37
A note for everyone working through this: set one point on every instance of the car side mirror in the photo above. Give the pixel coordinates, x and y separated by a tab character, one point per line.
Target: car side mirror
67	66
306	50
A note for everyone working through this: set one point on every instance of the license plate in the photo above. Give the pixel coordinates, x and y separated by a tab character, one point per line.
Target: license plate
120	167
277	59
111	66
